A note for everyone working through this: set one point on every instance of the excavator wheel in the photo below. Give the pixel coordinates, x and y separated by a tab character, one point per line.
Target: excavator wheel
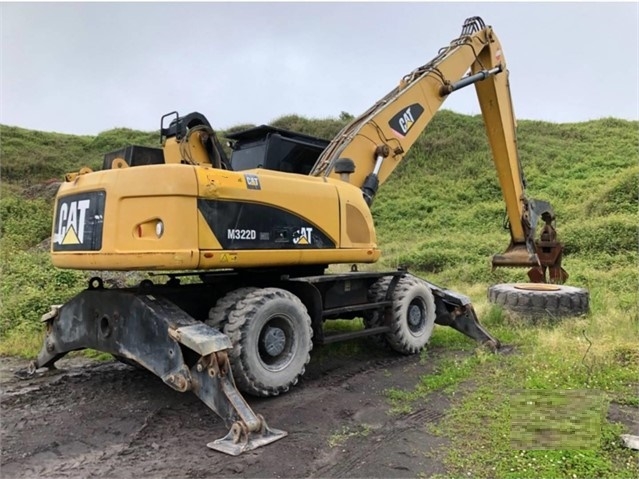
219	314
373	318
270	330
539	299
413	316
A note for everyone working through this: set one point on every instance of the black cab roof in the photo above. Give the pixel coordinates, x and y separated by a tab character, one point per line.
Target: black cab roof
263	131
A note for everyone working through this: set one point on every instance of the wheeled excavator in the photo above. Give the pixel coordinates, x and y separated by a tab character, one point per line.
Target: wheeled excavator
245	241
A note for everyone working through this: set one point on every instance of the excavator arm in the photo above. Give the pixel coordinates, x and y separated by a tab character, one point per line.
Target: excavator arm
372	146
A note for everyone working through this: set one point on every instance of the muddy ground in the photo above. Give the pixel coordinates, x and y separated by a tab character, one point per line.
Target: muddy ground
105	419
110	420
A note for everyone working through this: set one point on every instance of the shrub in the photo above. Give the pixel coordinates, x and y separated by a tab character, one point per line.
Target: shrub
30	285
24	223
614	234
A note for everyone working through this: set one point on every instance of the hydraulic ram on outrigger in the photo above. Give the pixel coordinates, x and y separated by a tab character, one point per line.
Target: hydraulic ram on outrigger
150	330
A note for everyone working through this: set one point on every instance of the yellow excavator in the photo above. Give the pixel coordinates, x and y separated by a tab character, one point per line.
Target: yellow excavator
254	233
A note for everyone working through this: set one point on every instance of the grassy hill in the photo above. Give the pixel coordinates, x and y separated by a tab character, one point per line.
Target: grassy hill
441	214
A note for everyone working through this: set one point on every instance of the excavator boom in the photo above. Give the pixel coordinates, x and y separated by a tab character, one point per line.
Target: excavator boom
377	141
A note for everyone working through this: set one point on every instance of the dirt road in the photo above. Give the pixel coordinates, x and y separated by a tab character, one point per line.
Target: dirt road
110	420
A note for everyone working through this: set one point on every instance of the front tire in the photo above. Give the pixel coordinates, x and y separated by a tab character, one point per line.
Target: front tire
373	318
412	317
219	314
270	330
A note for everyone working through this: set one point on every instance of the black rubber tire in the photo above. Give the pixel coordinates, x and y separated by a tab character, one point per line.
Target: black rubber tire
373	318
404	337
533	299
218	314
280	314
413	301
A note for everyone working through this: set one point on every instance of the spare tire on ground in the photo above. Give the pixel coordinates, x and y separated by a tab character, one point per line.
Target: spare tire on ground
537	299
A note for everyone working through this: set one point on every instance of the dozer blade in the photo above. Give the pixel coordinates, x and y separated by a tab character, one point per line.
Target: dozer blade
156	334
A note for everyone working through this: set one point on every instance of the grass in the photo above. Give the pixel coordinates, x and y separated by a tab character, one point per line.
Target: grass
22	341
570	371
555	419
441	215
502	430
448	374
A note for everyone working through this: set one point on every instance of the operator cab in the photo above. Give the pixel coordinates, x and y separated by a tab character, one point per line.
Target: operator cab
275	149
260	147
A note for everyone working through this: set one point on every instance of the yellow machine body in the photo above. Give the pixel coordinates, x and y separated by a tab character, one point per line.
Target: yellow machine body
155	218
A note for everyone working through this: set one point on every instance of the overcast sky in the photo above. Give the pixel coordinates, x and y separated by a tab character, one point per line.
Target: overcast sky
88	67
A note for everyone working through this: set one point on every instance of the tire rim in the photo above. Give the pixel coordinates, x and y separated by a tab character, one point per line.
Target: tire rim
416	316
276	343
536	287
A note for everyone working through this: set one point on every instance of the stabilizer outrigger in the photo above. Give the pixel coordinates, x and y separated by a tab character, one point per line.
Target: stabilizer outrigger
153	332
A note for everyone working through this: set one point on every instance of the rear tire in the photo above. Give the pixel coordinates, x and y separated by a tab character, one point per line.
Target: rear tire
536	300
270	330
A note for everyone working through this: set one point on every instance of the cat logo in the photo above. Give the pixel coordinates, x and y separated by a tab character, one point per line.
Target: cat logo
79	221
71	221
252	182
303	236
403	121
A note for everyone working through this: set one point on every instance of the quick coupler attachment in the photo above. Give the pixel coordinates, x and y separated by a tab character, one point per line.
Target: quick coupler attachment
154	333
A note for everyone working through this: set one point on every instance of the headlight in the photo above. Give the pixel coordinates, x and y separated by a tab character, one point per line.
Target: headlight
159	228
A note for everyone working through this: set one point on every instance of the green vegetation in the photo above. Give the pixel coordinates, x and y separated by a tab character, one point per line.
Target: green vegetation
524	419
31	164
542	419
440	214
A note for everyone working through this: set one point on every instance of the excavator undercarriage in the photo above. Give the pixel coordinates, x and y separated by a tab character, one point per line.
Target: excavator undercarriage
144	327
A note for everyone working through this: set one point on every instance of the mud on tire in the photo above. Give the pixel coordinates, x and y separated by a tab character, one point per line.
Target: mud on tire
270	330
536	300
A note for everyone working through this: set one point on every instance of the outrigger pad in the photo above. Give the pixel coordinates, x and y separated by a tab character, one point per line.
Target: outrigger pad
238	441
